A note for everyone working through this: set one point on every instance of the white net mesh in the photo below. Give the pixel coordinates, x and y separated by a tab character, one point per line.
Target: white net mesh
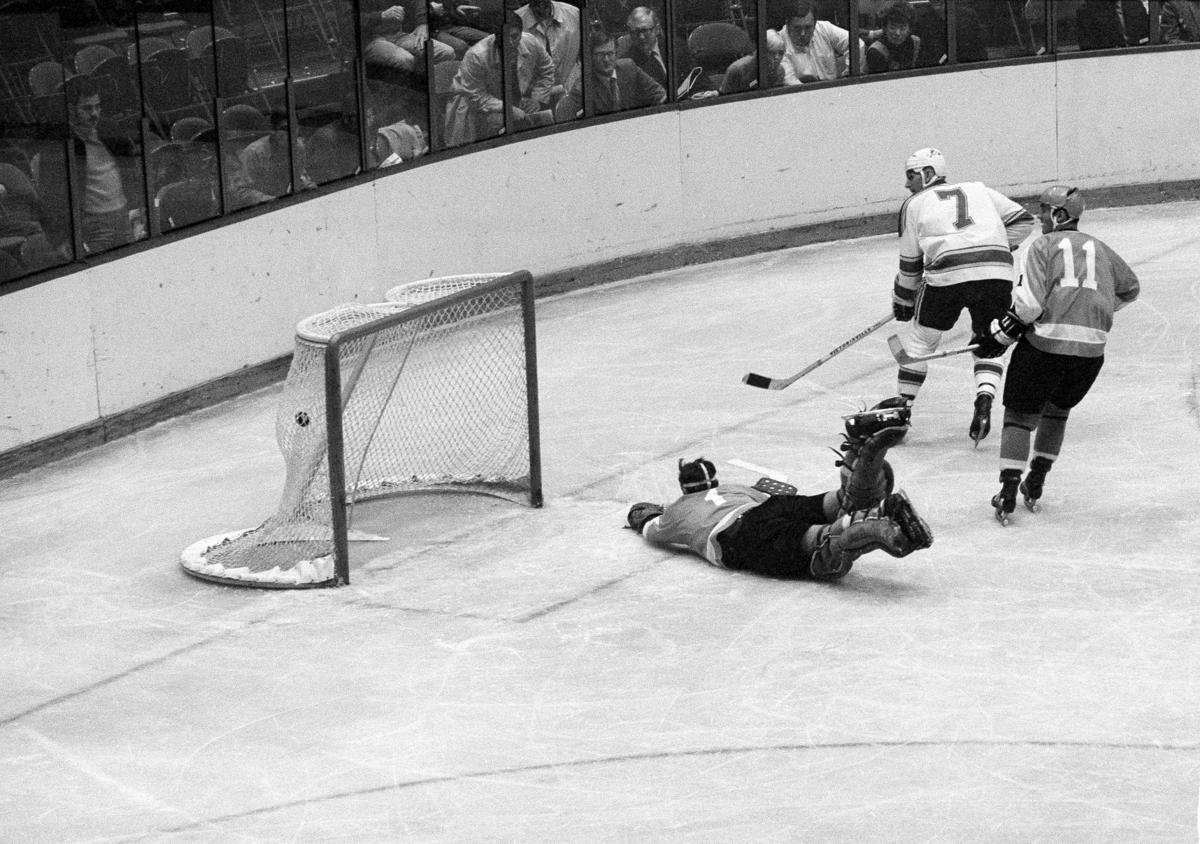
426	290
433	402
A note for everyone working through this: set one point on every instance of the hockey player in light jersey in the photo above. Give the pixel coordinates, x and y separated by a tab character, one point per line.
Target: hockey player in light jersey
1062	310
956	244
781	534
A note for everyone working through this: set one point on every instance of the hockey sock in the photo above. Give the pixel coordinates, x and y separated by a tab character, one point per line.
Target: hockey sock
1051	431
910	379
1014	440
987	376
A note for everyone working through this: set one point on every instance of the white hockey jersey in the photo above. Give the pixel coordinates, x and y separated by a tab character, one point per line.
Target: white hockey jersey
951	233
693	520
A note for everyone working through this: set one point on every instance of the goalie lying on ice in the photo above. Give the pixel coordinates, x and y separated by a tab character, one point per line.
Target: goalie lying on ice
791	535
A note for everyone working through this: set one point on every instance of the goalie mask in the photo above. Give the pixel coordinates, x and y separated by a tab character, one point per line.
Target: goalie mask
926	158
697	476
1065	207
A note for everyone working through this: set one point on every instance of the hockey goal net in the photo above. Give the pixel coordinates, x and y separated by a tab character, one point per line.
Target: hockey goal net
434	389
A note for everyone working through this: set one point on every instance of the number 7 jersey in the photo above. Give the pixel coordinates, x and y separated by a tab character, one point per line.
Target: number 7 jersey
1071	284
951	233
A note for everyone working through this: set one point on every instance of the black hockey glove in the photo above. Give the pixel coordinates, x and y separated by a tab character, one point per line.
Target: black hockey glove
904	301
1002	333
989	346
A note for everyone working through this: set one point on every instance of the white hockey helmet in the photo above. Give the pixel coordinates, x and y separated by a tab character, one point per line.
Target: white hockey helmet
1067	199
927	157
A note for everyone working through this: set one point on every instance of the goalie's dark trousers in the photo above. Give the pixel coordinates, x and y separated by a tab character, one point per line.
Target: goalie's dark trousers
767	539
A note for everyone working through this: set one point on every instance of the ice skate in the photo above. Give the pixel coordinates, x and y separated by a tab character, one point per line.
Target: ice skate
1005	501
1031	487
981	422
889	415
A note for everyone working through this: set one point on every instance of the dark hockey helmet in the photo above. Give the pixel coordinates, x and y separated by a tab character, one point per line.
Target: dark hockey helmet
1064	198
697	475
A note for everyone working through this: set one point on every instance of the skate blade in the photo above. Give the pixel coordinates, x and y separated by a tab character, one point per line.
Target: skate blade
1033	505
1004	518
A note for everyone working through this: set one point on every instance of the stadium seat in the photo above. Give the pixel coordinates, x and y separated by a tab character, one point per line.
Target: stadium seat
715	45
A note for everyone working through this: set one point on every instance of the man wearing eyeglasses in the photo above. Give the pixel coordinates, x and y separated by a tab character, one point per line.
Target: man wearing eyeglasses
645	45
615	84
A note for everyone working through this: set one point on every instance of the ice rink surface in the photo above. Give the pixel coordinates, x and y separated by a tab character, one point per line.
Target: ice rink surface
499	673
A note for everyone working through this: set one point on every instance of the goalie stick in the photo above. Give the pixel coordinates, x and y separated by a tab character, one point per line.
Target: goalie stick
766	383
902	357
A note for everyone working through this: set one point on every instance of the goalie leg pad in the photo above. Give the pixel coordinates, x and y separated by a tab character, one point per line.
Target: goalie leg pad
866	475
838	545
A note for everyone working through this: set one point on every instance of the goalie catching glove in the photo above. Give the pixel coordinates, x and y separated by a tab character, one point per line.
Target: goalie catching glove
904	301
1002	333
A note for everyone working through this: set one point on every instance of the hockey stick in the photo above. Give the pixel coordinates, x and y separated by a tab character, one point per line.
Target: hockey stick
756	380
902	357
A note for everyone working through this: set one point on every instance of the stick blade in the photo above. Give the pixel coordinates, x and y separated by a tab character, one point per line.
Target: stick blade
897	348
755	380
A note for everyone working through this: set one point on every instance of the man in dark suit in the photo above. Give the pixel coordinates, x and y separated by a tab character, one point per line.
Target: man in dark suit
646	46
1135	21
615	84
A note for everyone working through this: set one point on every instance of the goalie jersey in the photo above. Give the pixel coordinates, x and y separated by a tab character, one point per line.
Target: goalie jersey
694	520
1071	284
951	233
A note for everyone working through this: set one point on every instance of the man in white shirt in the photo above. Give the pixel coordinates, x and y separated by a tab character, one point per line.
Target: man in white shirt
815	50
556	25
100	191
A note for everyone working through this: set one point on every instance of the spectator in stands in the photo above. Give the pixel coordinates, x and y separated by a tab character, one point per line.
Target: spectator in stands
1098	25
239	185
1064	18
742	74
1180	21
332	150
896	48
556	25
108	174
476	109
395	144
267	162
814	50
615	85
23	222
393	49
1135	21
645	44
611	16
14	154
929	24
452	26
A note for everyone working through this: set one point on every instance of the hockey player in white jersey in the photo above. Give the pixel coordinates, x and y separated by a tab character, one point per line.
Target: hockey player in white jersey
956	244
775	532
1062	310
